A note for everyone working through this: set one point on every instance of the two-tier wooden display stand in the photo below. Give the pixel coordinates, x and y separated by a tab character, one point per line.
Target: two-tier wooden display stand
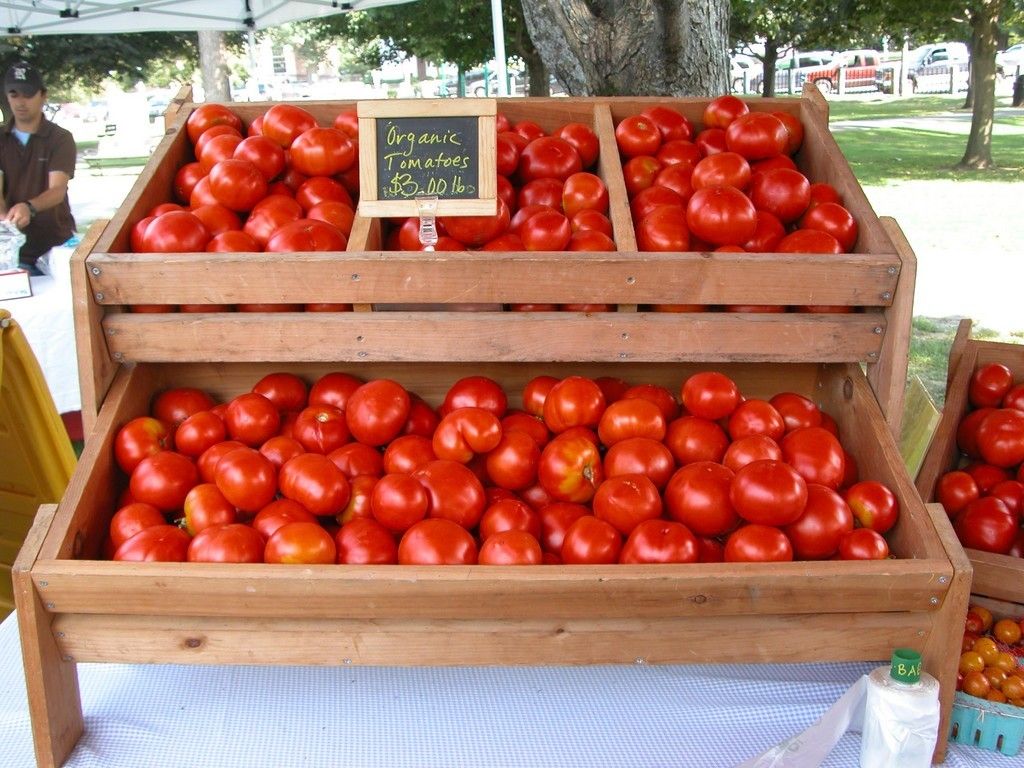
74	607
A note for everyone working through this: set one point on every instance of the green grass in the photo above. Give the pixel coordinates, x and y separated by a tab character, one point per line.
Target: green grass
888	107
880	156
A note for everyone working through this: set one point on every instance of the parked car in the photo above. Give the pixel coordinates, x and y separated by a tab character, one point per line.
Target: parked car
1010	63
804	61
743	69
857	68
928	61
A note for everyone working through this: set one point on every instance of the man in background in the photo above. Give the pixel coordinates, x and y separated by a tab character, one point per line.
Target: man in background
37	159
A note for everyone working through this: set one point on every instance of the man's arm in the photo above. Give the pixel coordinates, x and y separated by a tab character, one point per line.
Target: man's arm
21	213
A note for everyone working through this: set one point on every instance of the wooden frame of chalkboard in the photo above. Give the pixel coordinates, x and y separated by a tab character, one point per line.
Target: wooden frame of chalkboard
428	147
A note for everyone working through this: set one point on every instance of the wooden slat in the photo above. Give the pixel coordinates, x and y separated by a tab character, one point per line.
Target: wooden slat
526	336
998	576
51	680
472	592
95	367
163	640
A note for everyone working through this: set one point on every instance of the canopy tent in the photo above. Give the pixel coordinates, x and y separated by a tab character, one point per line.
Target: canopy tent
72	17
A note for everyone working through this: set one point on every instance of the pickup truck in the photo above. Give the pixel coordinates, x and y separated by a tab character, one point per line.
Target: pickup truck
858	70
928	64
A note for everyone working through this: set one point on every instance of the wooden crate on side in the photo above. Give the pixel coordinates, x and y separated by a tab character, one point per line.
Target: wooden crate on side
995	576
878	278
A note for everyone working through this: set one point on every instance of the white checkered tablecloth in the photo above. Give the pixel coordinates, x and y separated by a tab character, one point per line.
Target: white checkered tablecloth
514	717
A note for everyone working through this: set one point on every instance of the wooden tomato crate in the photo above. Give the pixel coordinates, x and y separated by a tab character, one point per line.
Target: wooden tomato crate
475	615
878	279
995	576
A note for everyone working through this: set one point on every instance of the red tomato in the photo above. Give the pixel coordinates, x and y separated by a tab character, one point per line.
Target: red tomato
640	455
510	548
456	493
320	189
163	479
758	544
657	394
637	135
201	194
1014	398
347	121
756	136
779	161
720	170
269	215
175	232
573	401
1011	493
710	140
863	544
322	152
377	411
677	152
967	431
476	392
794	131
521	421
208	460
237	184
756	417
334	212
321	428
365	542
744	450
633	417
251	419
692	439
212	148
247	478
710	395
769	493
809	241
356	459
132	518
815	454
230	543
627	500
671	123
584	191
678	178
300	542
721	111
549	157
556	518
546	231
1000	437
535	393
660	541
873	504
986	476
986	524
315	482
583	140
547	192
408	453
465	432
663	230
529	130
509	514
398	502
833	219
507	150
768	232
640	172
423	420
782	192
280	448
306	235
198	432
592	242
512	463
217	219
648	200
283	123
826	519
263	153
206	116
955	490
988	385
589	541
436	541
277	513
286	391
141	437
173	406
570	469
697	495
477	230
721	216
185	180
797	411
157	543
334	389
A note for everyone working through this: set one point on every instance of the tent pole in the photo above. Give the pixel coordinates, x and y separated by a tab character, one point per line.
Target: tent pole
498	24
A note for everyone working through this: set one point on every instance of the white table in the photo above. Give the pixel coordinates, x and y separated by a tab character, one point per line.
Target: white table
47	320
698	716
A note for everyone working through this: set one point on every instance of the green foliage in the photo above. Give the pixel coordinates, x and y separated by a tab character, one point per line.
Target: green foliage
76	64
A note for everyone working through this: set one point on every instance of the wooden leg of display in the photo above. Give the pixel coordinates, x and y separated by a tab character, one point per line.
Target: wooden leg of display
51	681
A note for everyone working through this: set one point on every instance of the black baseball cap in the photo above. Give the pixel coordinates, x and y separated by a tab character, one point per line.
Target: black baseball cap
24	79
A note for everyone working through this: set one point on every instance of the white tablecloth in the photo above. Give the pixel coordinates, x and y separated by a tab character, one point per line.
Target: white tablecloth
47	320
698	716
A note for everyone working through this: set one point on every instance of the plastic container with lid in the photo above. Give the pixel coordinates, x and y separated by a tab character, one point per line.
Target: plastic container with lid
901	714
11	240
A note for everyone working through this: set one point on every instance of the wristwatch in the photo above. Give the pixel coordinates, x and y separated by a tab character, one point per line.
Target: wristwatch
31	210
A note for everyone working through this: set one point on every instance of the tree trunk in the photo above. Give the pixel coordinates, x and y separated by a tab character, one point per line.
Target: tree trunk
971	85
536	74
984	24
213	64
771	59
640	48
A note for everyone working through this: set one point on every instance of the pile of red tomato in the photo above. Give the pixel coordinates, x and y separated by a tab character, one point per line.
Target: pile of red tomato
990	654
985	497
731	187
587	471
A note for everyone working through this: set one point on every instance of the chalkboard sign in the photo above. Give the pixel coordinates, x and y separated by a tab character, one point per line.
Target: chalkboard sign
427	148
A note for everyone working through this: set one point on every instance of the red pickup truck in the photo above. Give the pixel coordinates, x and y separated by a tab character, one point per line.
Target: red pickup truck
858	70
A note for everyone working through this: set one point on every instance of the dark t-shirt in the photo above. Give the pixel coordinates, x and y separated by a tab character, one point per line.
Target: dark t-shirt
26	170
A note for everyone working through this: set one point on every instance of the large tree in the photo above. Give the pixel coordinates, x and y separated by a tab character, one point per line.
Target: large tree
645	47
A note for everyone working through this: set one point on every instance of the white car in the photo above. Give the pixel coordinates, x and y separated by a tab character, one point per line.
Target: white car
1010	63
